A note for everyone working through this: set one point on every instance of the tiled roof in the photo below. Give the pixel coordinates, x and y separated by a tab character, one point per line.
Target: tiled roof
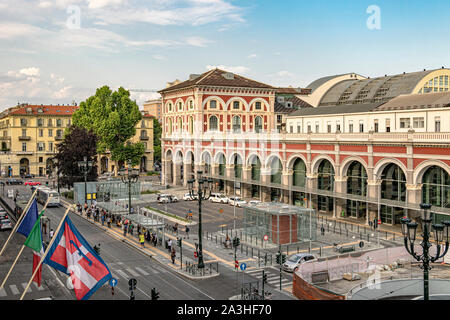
417	101
297	104
339	109
46	110
217	77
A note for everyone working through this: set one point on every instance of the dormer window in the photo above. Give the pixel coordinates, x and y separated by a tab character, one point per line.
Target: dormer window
257	105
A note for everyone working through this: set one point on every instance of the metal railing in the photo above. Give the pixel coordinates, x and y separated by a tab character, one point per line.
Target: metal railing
209	269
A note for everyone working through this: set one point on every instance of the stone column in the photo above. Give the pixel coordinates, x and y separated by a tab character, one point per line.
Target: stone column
311	184
340	186
373	191
286	180
177	175
413	196
229	185
265	179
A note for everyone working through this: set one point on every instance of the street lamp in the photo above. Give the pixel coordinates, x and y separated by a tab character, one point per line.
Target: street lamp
129	176
56	164
203	193
85	167
409	233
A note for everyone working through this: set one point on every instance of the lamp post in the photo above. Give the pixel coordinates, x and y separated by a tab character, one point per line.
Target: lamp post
409	233
129	176
85	167
56	164
203	193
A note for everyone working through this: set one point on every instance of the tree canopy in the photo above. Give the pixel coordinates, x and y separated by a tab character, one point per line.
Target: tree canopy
113	117
157	129
78	143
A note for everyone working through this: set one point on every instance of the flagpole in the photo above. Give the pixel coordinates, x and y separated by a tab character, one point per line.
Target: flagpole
19	221
20	252
46	251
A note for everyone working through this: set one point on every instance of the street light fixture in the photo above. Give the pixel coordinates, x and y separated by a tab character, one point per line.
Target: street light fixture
203	192
409	233
56	164
129	176
85	167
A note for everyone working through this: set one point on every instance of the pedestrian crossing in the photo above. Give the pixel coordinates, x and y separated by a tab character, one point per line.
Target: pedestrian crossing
273	279
16	289
124	272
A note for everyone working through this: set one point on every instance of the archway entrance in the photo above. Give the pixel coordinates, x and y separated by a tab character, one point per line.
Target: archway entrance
24	166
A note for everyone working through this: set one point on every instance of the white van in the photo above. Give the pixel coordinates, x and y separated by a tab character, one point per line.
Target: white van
218	198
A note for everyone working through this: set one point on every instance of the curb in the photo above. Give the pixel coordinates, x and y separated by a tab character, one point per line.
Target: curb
136	247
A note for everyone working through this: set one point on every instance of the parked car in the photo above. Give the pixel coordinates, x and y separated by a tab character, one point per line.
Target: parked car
167	198
5	224
218	198
187	197
13	181
28	176
292	264
32	183
236	201
254	202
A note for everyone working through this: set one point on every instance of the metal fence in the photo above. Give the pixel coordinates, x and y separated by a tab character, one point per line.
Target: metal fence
209	269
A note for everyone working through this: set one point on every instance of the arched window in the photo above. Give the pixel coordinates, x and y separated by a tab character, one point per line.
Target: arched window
325	176
236	124
256	169
299	173
170	107
237	162
258	124
180	125
213	123
276	170
222	164
191	125
170	126
356	179
436	187
393	183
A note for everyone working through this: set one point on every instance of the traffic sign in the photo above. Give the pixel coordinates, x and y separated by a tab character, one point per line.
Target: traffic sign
266	237
243	266
379	221
132	282
236	264
220	210
113	282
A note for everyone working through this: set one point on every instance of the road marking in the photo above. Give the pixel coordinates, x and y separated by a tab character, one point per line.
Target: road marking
142	271
24	285
39	288
122	274
14	289
2	292
132	272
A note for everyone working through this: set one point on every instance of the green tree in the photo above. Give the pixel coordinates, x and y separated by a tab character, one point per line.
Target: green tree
157	130
113	117
78	143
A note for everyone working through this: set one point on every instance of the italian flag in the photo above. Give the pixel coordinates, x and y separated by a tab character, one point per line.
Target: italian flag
34	241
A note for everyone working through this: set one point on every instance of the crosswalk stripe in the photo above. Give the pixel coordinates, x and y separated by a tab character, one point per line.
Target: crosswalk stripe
122	274
39	288
24	285
132	272
14	289
142	271
2	292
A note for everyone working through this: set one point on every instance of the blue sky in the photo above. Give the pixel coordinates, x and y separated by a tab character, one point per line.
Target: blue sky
47	57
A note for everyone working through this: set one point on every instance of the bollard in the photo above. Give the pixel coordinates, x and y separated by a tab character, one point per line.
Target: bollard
386	235
259	261
368	237
252	252
216	238
298	250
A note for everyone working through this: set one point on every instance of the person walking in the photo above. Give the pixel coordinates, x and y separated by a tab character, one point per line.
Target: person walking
103	218
125	228
51	233
173	255
142	240
169	244
108	220
187	232
155	239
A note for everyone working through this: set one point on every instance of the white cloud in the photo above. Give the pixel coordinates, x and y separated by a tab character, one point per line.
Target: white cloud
94	4
32	71
159	57
253	56
233	69
197	41
285	74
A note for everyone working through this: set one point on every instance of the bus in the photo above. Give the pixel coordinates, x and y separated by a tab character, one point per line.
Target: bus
43	193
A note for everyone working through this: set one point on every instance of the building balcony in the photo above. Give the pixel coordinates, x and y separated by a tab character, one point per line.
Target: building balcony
24	138
144	137
5	138
59	138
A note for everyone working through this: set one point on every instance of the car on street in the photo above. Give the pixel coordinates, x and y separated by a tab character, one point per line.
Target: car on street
294	261
254	202
13	181
3	215
218	198
32	183
236	201
5	224
28	176
167	198
187	197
